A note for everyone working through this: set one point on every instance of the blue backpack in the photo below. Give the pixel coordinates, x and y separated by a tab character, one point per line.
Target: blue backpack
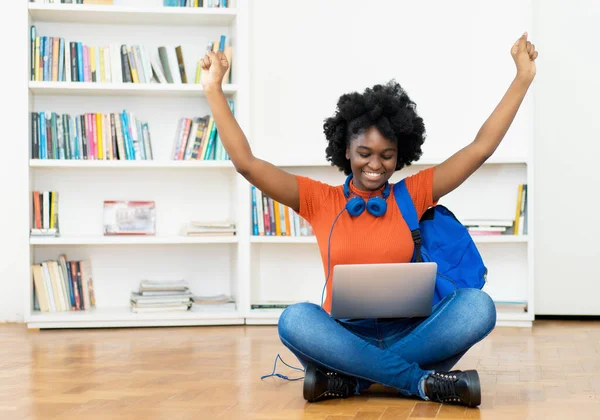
441	238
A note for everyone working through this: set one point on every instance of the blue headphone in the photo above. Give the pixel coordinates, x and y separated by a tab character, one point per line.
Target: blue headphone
375	205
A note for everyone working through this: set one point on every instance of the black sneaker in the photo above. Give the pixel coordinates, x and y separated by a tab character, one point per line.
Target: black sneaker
321	384
454	387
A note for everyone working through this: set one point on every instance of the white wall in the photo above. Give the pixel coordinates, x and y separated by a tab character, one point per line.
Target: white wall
453	58
14	263
567	144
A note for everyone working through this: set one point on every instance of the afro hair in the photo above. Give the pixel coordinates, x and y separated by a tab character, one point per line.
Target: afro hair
386	107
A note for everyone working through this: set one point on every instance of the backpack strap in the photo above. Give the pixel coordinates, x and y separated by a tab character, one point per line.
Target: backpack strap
409	213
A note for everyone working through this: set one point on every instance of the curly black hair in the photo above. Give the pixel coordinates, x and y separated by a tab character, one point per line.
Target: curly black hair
389	109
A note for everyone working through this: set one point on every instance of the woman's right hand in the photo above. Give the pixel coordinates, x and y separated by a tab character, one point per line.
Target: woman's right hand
215	65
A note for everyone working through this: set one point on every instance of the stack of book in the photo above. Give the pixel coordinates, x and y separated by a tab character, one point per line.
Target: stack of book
199	228
271	305
161	296
489	226
218	303
511	306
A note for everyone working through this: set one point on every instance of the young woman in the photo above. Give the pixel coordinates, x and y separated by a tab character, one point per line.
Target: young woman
371	136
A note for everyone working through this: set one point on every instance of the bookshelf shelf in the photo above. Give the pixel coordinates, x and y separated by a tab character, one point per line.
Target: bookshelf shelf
271	317
130	164
132	240
124	317
115	89
499	239
283	240
99	14
517	160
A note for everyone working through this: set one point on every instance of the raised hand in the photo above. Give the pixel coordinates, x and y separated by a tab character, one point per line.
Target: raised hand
215	65
524	54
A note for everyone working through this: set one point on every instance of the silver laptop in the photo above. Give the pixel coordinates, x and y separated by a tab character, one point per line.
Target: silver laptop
395	290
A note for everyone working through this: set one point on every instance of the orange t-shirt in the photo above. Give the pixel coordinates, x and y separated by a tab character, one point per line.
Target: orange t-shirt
364	239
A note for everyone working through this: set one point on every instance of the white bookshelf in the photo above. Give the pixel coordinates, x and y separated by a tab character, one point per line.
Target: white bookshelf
129	164
131	240
138	14
119	89
123	317
500	239
182	190
508	257
250	268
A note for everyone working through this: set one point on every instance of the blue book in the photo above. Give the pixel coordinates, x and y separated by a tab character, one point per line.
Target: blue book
55	151
80	62
75	136
128	140
69	280
45	58
61	58
42	125
254	212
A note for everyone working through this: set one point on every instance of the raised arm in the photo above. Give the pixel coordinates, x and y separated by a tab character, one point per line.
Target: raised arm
278	184
455	170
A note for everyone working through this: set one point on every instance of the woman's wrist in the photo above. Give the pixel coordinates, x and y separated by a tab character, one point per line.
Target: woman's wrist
212	88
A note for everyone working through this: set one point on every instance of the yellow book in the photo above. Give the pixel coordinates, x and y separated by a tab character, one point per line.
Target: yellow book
40	287
132	66
93	62
286	215
52	209
518	212
277	218
38	76
206	138
54	63
102	77
198	71
99	142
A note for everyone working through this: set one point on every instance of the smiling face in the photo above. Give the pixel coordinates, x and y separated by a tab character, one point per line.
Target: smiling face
372	158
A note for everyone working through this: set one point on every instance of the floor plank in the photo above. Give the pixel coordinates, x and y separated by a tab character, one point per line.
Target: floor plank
550	371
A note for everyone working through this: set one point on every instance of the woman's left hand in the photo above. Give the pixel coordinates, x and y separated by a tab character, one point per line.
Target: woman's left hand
524	54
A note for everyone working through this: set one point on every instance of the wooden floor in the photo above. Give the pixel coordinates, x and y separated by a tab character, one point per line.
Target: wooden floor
549	372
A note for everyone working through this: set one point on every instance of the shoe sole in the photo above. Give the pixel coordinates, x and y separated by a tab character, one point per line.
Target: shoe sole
309	383
474	387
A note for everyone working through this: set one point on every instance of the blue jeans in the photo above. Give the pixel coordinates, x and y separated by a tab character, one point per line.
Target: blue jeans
397	353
